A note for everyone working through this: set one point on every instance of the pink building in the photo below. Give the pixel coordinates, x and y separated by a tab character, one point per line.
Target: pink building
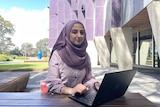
61	11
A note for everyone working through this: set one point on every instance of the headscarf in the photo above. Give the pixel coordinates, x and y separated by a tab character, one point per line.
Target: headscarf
73	56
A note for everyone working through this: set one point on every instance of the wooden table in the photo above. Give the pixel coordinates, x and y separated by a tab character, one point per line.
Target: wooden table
20	99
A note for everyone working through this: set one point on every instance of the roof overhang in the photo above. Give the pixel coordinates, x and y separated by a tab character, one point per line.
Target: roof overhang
139	22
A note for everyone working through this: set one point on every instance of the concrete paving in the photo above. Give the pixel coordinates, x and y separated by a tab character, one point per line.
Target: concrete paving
145	83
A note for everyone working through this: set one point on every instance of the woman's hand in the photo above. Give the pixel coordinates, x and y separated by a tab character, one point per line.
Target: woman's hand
80	88
96	85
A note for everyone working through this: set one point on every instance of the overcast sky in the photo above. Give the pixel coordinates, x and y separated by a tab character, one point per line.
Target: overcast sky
30	18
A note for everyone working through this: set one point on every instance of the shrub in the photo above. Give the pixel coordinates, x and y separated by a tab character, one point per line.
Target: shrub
5	58
14	56
46	58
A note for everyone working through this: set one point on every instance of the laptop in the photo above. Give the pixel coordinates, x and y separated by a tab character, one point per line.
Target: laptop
114	85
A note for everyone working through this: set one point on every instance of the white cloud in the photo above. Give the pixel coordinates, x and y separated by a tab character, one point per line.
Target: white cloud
30	26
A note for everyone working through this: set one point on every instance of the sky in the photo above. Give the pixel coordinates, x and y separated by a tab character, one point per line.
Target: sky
29	17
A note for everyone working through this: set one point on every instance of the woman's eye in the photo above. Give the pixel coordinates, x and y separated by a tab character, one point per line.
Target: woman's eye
82	32
74	31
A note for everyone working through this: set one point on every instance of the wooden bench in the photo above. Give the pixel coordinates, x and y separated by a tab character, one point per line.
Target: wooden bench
13	81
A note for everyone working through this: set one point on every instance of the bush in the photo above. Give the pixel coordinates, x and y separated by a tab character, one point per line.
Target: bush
5	58
14	56
46	58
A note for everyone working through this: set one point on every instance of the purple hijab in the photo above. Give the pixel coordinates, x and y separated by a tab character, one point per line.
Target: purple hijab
73	56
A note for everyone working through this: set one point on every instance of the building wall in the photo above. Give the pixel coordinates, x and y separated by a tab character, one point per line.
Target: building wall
89	12
131	8
119	12
98	17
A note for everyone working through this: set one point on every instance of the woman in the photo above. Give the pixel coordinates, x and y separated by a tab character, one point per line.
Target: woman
69	66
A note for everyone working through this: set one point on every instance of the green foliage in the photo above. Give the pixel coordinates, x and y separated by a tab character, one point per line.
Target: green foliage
26	48
46	58
13	56
16	52
6	28
43	45
5	58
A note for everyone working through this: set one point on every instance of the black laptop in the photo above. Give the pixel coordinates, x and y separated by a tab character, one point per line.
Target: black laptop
114	85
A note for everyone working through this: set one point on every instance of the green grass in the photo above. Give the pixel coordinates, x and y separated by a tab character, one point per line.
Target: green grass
24	66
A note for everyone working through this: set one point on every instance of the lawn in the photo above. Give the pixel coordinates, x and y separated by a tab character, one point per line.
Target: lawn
24	66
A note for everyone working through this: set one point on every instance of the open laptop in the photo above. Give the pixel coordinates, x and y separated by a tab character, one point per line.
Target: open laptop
114	85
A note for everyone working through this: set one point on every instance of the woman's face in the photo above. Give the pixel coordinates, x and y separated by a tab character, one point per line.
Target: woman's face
77	34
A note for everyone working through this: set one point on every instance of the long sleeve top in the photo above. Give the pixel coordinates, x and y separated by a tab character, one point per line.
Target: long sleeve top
60	75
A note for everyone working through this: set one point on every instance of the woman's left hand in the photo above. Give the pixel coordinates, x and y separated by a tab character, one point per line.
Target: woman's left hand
96	85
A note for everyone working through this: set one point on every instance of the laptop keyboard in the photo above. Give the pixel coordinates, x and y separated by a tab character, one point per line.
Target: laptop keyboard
89	96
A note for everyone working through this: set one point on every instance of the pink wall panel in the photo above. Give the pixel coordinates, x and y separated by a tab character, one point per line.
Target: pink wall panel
89	6
89	29
61	11
68	11
99	21
74	4
99	2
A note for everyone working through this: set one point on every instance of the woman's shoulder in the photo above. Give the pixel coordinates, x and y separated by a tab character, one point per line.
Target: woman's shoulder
55	58
55	55
55	52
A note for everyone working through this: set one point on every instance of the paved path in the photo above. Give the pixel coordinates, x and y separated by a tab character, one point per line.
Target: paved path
146	83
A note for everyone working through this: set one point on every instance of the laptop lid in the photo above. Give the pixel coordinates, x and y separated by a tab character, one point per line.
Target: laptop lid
113	85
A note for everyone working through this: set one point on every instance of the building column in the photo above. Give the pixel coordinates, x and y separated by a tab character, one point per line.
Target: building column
113	55
122	43
92	52
144	47
154	17
103	48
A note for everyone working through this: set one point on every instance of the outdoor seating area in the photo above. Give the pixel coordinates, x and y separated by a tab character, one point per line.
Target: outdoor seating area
145	83
13	81
141	90
78	48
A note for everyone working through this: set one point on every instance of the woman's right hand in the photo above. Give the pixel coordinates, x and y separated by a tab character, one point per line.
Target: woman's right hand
80	88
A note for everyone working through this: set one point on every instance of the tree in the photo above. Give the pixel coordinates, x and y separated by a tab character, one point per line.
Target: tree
16	51
26	48
43	45
6	29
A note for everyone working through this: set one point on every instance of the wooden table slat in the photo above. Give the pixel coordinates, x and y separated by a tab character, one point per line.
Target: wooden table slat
41	100
65	101
26	95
